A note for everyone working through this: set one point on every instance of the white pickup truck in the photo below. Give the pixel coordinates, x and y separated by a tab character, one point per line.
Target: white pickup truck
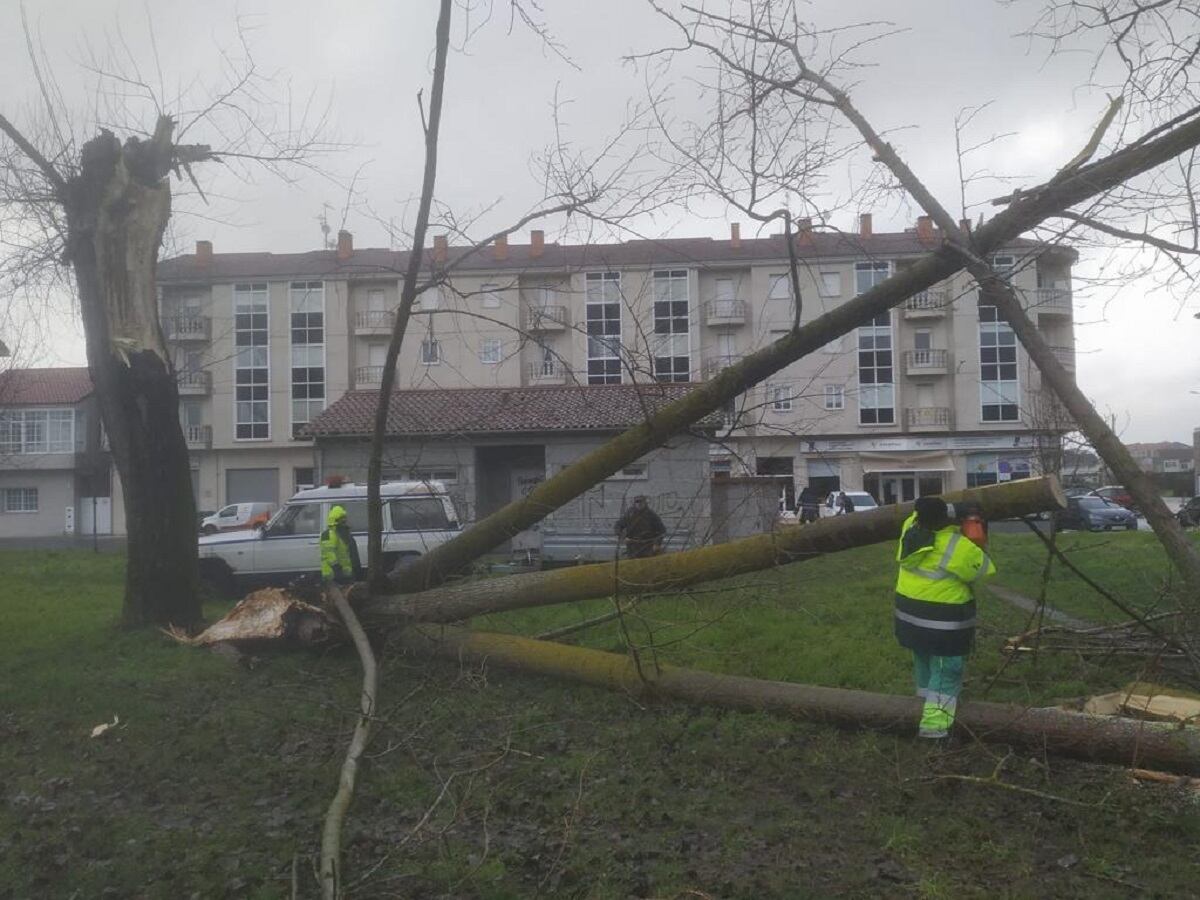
417	516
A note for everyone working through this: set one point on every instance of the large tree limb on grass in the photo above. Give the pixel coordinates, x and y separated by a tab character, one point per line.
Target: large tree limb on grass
1025	213
1125	742
675	571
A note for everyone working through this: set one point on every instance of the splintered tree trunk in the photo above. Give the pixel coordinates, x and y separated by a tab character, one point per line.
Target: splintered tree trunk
117	209
674	571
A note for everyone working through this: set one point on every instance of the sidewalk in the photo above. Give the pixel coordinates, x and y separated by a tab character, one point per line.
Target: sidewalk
105	543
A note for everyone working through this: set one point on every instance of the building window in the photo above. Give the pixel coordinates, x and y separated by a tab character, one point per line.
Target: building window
491	296
999	390
869	274
1003	265
831	284
307	300
720	467
672	334
445	475
20	500
990	468
780	397
631	473
876	387
304	478
489	351
835	396
431	351
604	327
251	363
37	431
781	310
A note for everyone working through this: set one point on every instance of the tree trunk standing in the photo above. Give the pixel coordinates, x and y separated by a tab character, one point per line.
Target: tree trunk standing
377	575
117	208
1181	551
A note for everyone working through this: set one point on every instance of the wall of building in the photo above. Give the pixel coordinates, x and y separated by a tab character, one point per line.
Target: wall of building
56	492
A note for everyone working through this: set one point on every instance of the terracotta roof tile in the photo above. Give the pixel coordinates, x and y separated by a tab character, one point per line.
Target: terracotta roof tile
554	257
499	410
44	387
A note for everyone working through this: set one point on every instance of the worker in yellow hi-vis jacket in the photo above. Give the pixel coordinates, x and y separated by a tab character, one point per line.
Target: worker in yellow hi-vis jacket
339	552
935	607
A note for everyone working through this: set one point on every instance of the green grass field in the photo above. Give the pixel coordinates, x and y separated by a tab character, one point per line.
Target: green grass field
486	783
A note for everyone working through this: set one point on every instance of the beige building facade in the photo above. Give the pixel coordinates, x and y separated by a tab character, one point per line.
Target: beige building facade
934	396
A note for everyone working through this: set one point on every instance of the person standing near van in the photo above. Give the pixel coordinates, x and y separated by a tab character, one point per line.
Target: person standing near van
808	503
935	607
339	552
641	529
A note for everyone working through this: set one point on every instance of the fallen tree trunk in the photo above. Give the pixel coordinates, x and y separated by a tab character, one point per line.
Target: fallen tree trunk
1095	738
678	570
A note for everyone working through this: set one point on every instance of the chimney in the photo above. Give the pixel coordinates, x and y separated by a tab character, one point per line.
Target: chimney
537	243
345	244
864	225
204	254
735	235
804	230
924	228
500	248
441	248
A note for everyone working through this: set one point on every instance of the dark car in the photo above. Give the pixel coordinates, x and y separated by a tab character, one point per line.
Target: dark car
1189	514
1095	514
1115	493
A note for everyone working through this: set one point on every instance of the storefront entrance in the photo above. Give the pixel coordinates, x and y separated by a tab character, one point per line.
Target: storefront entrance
901	487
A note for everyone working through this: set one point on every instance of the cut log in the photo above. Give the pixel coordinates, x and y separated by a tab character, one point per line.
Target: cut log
674	571
1124	742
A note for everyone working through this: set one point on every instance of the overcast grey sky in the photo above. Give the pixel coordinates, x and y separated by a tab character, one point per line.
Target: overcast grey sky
1137	350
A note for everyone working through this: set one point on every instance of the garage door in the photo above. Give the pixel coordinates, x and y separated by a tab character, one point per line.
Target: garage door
252	485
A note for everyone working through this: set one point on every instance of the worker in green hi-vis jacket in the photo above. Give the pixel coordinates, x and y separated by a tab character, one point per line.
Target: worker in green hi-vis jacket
935	607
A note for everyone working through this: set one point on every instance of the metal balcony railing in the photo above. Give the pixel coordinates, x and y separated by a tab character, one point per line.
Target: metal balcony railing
187	328
368	376
1053	301
546	318
929	361
547	372
725	312
374	319
1066	356
928	417
198	436
193	383
931	302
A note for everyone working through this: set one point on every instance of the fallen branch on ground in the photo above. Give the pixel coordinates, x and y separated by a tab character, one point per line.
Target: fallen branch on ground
331	834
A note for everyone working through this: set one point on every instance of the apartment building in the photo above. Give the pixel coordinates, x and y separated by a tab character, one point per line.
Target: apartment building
1163	456
934	395
56	475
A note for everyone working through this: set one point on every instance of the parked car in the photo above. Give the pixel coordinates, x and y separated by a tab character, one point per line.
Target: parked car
201	515
1095	514
1115	493
237	517
1189	513
417	516
861	500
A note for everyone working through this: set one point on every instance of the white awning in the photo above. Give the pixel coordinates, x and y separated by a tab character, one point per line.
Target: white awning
906	462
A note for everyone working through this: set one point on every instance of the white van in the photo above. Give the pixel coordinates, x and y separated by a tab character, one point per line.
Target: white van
417	516
237	516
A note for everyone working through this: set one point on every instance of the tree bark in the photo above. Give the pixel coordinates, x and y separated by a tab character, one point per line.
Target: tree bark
1024	213
377	575
1124	742
1181	551
674	571
117	208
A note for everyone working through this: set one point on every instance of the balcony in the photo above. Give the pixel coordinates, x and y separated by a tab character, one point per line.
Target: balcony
926	362
713	367
926	304
198	437
928	418
546	318
1052	302
548	372
368	376
194	384
184	329
724	313
373	321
